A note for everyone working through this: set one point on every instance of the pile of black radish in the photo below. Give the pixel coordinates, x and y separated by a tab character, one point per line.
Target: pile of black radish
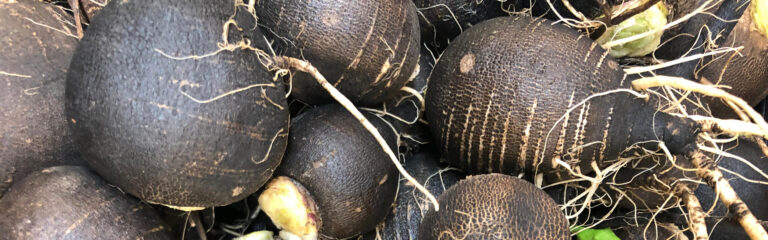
33	69
421	119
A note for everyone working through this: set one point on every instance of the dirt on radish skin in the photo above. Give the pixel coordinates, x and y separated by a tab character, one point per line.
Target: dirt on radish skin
367	50
160	116
69	202
36	45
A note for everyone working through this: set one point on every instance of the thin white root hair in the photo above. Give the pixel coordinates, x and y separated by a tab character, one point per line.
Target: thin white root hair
3	73
224	94
304	66
453	16
730	155
586	23
416	94
641	69
708	90
385	113
51	28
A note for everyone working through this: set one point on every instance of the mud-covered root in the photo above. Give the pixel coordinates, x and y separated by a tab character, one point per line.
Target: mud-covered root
707	170
285	62
696	214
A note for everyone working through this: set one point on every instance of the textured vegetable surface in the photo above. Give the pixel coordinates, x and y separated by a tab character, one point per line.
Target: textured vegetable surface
495	206
69	202
347	174
499	99
166	127
368	50
33	67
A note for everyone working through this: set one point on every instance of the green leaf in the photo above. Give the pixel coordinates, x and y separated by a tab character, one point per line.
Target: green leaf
595	234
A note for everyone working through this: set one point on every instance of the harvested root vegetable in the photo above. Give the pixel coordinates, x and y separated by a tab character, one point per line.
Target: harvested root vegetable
35	49
494	206
335	181
521	95
746	72
69	202
368	50
160	116
493	115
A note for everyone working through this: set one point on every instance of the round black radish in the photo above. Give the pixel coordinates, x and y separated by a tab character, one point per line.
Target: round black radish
158	115
368	50
33	67
403	222
494	206
345	174
443	20
69	202
747	72
499	98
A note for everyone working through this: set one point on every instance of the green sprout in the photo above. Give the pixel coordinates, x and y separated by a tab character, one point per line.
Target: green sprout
648	20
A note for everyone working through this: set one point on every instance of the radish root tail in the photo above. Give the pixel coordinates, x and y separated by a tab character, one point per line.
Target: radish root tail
304	66
695	212
708	171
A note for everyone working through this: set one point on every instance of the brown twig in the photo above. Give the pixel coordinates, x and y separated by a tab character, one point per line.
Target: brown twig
611	20
763	146
198	224
78	22
708	171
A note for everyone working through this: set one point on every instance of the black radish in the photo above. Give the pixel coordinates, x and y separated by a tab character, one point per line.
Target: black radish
35	49
368	50
494	206
69	202
161	111
335	181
